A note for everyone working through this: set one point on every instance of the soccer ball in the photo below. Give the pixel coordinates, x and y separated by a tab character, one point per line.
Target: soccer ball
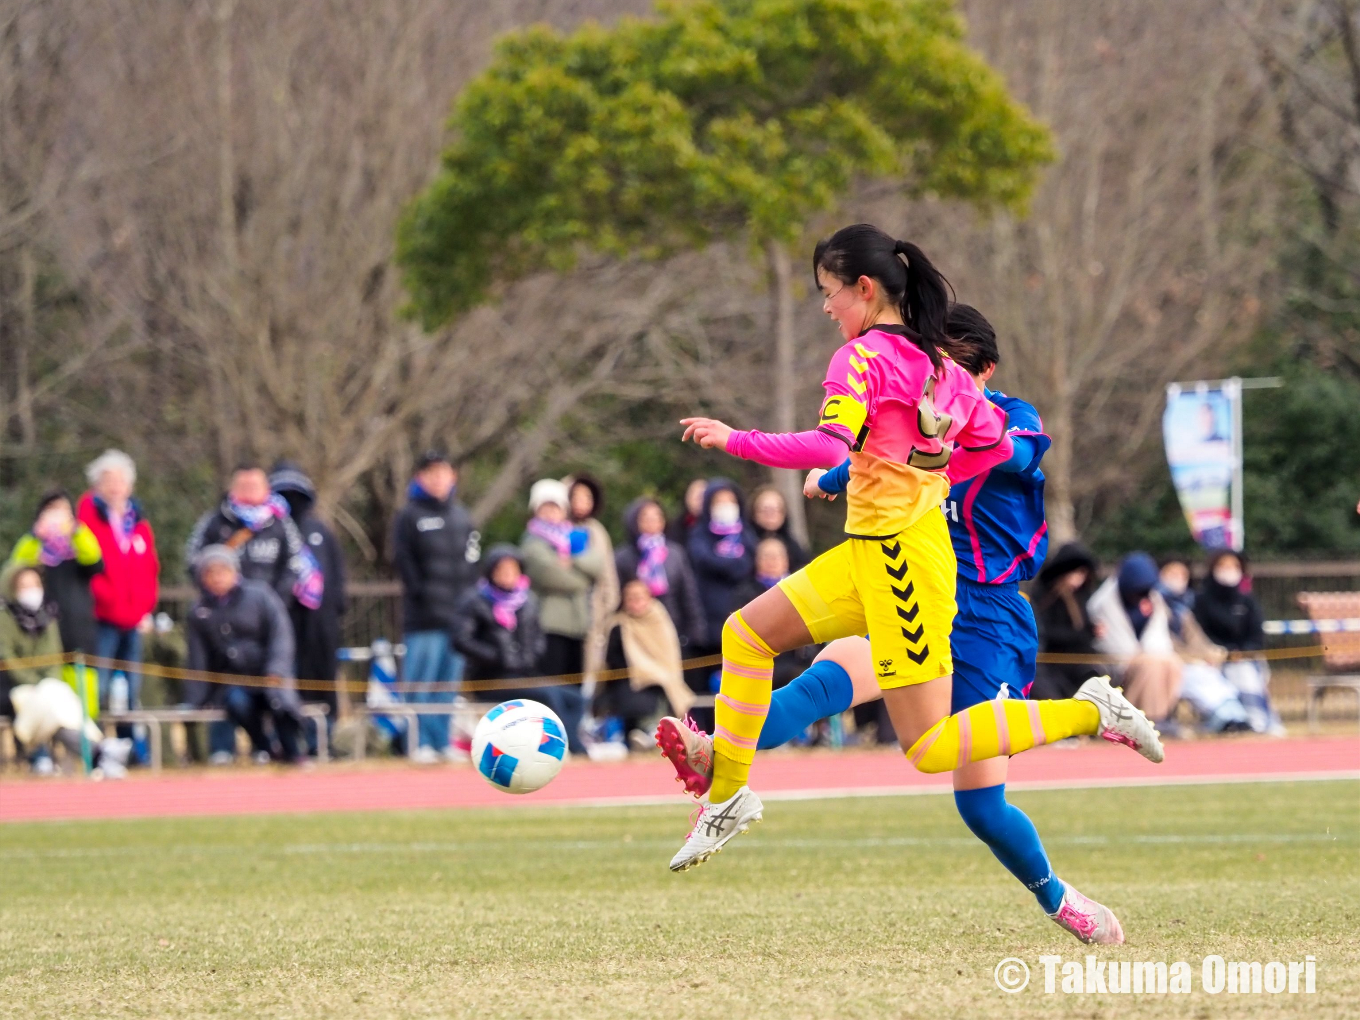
519	745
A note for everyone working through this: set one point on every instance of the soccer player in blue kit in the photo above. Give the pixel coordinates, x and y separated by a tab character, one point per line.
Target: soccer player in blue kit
997	526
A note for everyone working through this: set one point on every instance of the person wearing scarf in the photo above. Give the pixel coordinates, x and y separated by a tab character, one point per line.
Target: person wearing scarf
642	641
255	522
69	555
563	568
129	586
499	633
722	551
28	629
319	603
663	565
1134	627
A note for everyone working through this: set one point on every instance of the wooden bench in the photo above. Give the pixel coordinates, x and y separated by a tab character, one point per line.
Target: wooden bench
153	718
1337	619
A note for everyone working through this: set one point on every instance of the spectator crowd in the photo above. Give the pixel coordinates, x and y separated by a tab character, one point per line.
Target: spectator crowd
615	624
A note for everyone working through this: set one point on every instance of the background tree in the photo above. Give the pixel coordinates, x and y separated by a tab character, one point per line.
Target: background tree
739	118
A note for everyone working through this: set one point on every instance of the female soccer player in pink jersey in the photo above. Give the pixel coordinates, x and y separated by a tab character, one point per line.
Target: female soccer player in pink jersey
906	413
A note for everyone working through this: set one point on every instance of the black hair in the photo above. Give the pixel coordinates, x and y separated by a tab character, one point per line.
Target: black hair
431	457
972	340
53	496
907	277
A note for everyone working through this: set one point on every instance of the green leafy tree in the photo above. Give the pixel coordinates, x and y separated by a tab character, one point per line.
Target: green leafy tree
711	120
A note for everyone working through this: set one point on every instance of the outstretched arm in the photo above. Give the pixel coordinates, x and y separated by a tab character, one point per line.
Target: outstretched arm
800	450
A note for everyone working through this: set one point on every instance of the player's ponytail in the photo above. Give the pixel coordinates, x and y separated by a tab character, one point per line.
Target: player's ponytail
907	277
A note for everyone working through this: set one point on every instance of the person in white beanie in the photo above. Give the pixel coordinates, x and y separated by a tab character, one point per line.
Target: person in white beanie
563	567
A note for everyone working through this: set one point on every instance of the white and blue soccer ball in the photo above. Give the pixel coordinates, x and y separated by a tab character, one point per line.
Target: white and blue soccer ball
519	745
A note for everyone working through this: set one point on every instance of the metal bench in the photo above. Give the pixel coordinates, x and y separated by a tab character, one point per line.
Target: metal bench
1336	616
152	718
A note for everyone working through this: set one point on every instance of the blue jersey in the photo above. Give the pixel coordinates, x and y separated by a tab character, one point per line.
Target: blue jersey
996	520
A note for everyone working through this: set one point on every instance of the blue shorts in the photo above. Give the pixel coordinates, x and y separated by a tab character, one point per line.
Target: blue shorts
994	643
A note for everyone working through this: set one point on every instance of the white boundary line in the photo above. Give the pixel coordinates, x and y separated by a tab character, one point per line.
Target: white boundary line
833	793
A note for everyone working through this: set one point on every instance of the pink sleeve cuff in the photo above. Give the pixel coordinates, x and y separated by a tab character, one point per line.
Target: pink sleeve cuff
799	450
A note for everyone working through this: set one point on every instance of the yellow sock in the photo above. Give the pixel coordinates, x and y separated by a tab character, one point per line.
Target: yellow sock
995	729
739	715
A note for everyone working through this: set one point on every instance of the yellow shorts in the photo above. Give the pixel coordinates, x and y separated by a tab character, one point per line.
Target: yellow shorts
898	590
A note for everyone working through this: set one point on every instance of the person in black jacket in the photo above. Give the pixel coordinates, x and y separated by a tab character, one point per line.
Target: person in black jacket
1064	585
240	627
1231	617
255	522
316	632
435	549
663	565
497	629
770	518
722	550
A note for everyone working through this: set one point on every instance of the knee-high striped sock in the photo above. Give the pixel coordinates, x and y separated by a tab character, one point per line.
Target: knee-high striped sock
996	729
744	701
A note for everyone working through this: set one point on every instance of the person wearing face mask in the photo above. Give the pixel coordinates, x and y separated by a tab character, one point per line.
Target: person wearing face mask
1136	629
1203	684
1231	617
28	629
68	553
722	550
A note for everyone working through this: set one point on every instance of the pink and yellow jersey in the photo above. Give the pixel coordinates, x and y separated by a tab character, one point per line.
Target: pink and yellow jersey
903	423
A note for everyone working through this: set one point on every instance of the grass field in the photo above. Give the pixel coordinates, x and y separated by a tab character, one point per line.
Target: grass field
879	907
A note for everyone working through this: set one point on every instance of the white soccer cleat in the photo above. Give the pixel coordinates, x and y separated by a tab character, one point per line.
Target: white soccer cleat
1120	722
715	825
1088	920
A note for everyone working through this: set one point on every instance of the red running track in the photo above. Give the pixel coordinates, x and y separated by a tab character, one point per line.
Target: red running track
791	775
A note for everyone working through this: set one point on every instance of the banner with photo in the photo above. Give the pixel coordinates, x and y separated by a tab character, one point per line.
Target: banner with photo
1202	429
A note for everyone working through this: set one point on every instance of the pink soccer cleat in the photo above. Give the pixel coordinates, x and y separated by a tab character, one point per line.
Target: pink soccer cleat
690	750
1088	920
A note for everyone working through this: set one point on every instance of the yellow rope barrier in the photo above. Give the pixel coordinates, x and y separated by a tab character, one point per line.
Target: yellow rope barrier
473	686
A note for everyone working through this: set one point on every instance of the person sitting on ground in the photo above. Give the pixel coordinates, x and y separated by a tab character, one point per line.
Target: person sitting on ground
770	518
1232	618
772	566
1136	632
498	631
1061	590
663	565
643	641
240	627
68	553
1203	684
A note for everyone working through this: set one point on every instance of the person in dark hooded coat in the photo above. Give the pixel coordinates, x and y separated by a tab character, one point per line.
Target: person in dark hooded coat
1060	594
663	565
316	631
722	550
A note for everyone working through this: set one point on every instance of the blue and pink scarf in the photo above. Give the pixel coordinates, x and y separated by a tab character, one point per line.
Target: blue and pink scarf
311	582
651	568
505	605
729	546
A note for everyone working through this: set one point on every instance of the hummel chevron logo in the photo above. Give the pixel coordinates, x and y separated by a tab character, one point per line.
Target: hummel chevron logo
906	593
898	573
908	614
914	636
892	551
919	657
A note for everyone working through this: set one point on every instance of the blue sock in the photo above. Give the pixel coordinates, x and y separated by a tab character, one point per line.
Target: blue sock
824	689
1014	840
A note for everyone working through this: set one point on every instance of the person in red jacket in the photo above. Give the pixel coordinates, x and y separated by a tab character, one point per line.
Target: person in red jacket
127	590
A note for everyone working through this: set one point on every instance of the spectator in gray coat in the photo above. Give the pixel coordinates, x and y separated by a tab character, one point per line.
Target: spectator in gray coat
240	627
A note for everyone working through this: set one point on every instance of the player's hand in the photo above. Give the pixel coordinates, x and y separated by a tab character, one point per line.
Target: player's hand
709	433
810	487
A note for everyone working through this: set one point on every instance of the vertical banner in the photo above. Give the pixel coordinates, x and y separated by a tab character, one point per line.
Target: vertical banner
1202	429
